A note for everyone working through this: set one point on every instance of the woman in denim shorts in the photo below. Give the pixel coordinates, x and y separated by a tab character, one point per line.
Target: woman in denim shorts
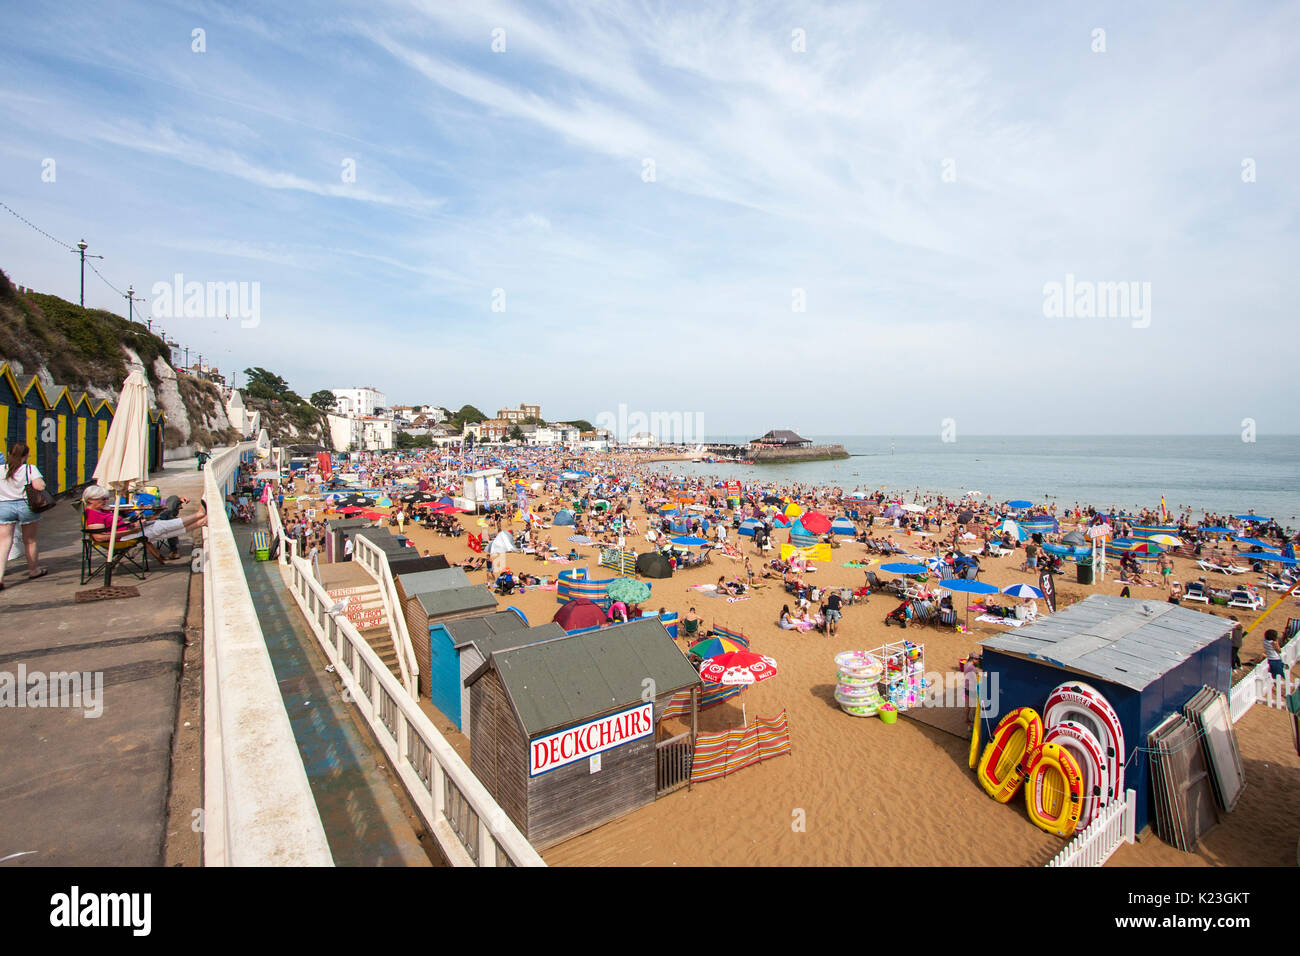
15	474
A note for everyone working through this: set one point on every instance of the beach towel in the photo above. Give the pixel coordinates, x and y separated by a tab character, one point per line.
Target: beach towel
719	754
857	564
1008	621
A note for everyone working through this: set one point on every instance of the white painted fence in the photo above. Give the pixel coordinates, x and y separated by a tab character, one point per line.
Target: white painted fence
375	561
1093	846
1259	686
471	829
258	806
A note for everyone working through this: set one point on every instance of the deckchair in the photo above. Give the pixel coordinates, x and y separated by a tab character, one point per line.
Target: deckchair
1244	599
1196	592
129	554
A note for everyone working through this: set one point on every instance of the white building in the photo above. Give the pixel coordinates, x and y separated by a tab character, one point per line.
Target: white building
352	433
642	440
358	401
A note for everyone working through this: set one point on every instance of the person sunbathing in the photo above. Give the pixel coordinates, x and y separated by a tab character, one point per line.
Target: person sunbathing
99	517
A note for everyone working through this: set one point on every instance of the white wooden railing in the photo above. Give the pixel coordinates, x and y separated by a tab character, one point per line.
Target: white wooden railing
1093	846
258	808
470	827
375	561
1259	686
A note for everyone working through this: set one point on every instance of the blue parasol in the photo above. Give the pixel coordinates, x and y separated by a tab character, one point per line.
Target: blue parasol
1250	518
1267	556
689	541
1020	504
969	587
903	567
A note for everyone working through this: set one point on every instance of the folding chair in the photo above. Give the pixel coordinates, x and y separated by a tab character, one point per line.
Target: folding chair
130	555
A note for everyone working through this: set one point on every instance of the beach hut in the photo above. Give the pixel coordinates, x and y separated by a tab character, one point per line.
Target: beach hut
563	737
1146	658
425	611
475	639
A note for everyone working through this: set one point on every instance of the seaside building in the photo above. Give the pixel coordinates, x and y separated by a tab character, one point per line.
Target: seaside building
783	438
642	440
358	433
517	415
359	401
491	429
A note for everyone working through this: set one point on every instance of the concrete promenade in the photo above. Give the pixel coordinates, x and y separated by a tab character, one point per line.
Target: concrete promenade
76	789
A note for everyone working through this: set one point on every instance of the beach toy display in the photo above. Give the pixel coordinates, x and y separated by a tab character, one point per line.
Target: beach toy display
857	683
903	684
1003	767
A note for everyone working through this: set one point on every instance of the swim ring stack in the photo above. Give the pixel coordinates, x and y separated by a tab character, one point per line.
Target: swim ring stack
857	677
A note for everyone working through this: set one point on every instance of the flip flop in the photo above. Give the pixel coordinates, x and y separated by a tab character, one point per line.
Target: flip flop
33	577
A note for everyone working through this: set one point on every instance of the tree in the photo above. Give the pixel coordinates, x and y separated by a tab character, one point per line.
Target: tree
582	425
516	434
324	400
265	385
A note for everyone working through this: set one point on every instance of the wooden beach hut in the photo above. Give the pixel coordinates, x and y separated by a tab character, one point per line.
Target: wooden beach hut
474	640
425	614
564	734
1147	658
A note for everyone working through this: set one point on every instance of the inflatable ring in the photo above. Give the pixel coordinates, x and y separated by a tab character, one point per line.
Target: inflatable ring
1081	704
1088	753
1053	790
1002	767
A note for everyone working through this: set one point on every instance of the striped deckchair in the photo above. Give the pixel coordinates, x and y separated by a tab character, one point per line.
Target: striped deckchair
719	754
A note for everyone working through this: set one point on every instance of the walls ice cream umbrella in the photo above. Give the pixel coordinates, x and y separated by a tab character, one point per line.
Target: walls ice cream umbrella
124	459
738	668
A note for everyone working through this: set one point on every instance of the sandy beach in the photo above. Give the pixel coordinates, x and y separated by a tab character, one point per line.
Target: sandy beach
857	791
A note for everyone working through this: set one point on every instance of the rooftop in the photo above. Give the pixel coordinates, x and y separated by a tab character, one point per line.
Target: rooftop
1126	641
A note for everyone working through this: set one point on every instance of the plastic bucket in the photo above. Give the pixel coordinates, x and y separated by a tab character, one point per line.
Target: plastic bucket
889	716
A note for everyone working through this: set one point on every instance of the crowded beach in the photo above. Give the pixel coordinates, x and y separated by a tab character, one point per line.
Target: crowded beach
805	573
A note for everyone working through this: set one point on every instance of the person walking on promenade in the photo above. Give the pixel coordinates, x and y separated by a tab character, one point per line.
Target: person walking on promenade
15	475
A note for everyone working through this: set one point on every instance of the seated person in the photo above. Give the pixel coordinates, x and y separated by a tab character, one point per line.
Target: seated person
573	554
99	517
690	624
617	612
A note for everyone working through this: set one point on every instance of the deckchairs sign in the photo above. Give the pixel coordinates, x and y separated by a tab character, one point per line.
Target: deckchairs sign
578	743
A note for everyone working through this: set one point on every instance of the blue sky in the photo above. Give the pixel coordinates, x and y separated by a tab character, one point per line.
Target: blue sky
775	170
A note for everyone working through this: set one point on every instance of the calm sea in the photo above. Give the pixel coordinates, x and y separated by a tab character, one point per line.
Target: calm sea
1209	473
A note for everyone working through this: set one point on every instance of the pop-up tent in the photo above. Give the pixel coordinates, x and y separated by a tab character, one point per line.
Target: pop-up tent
563	518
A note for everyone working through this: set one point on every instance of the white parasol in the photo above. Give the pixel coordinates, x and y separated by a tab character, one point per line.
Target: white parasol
124	459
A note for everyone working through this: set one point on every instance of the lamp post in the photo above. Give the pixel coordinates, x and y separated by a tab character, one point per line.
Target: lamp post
81	248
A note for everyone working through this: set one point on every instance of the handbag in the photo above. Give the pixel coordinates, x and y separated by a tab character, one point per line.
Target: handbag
38	500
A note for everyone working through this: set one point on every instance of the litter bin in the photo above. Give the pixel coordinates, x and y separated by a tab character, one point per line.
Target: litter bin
1084	575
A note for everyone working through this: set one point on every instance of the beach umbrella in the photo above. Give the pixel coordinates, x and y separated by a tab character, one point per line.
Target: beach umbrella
815	522
1165	540
1023	591
578	614
974	494
1020	504
715	647
894	511
771	500
124	459
1253	542
1216	529
913	508
1267	556
628	590
1012	528
579	539
793	510
652	564
965	517
968	587
1076	538
742	667
689	541
904	567
1251	518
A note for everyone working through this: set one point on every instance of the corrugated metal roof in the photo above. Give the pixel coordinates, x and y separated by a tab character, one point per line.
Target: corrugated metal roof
1126	641
456	600
426	582
563	682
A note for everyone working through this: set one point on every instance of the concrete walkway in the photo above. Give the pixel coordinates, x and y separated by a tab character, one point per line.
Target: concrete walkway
363	818
78	789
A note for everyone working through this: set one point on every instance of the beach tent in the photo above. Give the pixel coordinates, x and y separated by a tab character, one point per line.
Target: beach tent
563	518
748	525
654	565
843	526
1012	528
579	614
503	543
